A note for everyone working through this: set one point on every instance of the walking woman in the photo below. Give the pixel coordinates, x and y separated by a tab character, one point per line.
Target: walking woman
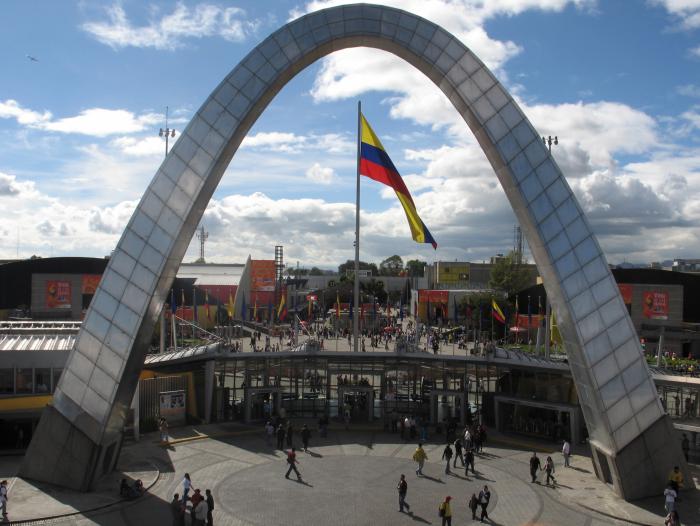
549	469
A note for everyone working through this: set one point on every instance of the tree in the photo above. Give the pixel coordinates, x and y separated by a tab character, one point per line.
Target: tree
374	288
315	271
415	268
349	266
391	266
508	276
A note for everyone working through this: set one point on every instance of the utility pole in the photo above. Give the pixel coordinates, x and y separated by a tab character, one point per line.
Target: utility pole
548	306
167	132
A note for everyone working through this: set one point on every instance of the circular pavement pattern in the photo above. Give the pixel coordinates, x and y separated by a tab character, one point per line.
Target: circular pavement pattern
356	490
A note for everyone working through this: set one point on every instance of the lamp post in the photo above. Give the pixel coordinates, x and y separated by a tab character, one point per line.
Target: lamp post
548	141
167	132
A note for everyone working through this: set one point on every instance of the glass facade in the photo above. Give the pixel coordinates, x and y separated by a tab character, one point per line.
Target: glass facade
28	380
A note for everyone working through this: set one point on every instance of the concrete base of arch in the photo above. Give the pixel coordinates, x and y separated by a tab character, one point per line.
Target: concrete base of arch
640	469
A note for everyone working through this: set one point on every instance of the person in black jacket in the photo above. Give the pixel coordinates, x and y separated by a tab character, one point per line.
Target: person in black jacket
280	437
447	456
402	488
535	466
305	435
210	507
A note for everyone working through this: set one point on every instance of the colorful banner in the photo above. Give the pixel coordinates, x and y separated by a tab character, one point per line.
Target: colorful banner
262	275
625	292
89	283
433	296
528	322
58	294
172	407
655	305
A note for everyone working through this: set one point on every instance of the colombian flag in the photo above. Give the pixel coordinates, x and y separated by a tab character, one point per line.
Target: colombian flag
282	309
496	312
376	164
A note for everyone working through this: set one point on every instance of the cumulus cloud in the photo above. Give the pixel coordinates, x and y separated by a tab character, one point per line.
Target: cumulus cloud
291	143
11	109
320	174
140	147
686	12
171	31
689	90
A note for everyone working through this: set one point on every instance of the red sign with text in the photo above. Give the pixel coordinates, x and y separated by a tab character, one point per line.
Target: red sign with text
655	305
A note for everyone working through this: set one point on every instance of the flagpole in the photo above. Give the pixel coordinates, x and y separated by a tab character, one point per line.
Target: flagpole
356	288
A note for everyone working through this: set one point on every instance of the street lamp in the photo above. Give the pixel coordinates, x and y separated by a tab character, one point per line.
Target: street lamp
548	141
167	132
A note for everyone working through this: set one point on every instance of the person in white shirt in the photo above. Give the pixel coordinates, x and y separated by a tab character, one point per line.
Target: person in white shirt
670	496
186	487
200	513
269	432
566	451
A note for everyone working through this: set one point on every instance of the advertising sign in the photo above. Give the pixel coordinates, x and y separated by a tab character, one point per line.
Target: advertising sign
452	272
262	275
172	407
433	296
625	292
58	294
89	283
655	305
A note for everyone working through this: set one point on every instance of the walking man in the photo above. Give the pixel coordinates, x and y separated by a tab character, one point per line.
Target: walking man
210	504
402	487
484	498
305	435
458	452
469	461
473	505
292	461
445	512
280	437
177	511
447	456
535	466
670	496
566	451
420	457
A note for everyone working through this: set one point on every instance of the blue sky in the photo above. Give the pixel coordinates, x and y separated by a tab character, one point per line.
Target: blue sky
617	82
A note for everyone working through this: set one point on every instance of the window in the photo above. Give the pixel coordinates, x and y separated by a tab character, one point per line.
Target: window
42	380
7	384
24	381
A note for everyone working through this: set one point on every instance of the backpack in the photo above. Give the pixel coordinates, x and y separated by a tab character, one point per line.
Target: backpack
441	510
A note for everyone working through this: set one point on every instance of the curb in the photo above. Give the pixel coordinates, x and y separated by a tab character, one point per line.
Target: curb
40	520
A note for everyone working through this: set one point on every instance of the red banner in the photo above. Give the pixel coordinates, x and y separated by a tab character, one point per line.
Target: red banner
262	275
433	296
523	321
90	283
58	294
625	292
655	305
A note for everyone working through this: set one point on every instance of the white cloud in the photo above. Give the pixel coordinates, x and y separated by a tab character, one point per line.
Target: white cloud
686	11
11	109
290	143
171	31
689	90
320	174
96	122
140	147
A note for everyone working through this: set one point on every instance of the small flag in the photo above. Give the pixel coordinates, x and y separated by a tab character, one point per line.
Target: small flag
255	310
194	303
182	293
282	309
376	164
517	313
206	304
529	313
230	306
496	312
173	305
337	305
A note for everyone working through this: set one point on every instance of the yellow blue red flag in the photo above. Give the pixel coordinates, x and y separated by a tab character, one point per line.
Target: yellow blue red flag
376	164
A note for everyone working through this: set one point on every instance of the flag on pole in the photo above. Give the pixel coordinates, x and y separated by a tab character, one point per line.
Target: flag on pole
230	306
270	310
206	304
529	313
517	313
337	305
376	164
194	303
401	310
182	304
255	310
282	309
173	305
496	312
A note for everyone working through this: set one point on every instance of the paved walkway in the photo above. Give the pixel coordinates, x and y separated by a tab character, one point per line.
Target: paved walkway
349	478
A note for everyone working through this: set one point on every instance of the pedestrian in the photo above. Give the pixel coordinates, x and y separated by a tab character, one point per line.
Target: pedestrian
420	457
549	469
210	508
163	428
445	512
447	456
458	452
196	497
186	487
685	446
280	437
346	418
672	519
535	466
484	498
3	499
292	461
670	496
468	442
676	478
402	488
566	451
305	435
290	434
469	461
473	505
402	428
177	511
200	512
269	432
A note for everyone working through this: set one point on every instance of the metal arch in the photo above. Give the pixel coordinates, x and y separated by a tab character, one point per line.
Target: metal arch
615	389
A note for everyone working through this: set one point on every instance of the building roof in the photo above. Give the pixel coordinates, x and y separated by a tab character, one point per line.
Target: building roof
38	336
213	274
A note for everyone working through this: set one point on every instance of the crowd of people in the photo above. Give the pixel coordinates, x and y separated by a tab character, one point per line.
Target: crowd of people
194	510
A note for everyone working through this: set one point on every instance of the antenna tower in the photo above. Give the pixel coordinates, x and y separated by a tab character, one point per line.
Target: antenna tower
202	235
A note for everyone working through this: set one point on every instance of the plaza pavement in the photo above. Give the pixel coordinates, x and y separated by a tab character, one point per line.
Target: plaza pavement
349	478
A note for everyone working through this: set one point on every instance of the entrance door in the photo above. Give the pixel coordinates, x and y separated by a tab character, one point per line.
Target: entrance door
261	405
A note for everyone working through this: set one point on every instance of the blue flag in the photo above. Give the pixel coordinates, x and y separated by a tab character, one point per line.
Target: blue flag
194	303
173	305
